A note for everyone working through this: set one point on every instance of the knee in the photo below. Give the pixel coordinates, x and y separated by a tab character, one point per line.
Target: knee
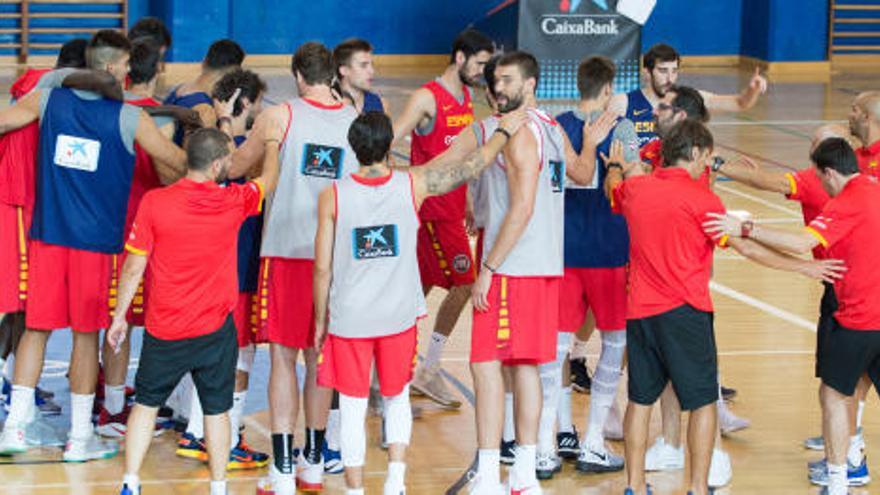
398	418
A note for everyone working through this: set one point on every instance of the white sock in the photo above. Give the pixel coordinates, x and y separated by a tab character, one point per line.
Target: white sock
22	408
396	474
563	414
2	367
578	348
509	432
435	350
854	453
218	487
603	389
235	415
114	398
523	470
859	414
333	424
132	480
354	491
837	479
550	380
489	466
81	415
196	424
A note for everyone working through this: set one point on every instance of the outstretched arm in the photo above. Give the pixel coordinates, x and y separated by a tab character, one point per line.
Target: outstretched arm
825	270
323	273
738	102
748	172
418	110
789	241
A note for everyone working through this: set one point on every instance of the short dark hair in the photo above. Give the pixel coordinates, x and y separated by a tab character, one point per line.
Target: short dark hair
836	154
204	147
314	62
250	83
344	51
691	102
370	137
683	137
593	74
489	74
153	28
661	52
72	54
105	47
471	42
527	63
223	54
144	63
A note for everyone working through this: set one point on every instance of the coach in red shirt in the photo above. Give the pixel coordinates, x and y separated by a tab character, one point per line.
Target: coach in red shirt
848	229
188	233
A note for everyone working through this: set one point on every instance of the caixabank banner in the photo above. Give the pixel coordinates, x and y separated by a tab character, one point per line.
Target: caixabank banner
560	33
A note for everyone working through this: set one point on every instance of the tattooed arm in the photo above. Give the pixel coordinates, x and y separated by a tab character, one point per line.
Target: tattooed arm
435	178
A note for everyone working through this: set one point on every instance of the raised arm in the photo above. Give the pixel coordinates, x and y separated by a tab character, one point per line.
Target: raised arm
323	273
581	168
169	159
748	172
22	113
268	178
745	100
271	121
418	111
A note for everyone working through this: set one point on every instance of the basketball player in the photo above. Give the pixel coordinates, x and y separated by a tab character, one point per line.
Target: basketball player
154	29
73	243
516	295
846	228
864	123
245	89
434	115
374	213
354	75
188	233
665	212
314	153
223	56
596	248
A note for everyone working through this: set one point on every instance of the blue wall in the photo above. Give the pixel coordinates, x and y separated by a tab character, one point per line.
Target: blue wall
694	27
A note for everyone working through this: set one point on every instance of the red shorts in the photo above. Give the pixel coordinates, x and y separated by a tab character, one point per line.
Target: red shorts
68	288
245	315
286	313
444	253
602	290
137	310
15	221
345	364
521	323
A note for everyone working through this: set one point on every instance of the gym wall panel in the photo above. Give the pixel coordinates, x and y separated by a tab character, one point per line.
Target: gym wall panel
707	27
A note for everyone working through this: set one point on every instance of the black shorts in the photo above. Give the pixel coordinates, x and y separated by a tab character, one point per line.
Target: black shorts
827	308
848	355
678	345
211	359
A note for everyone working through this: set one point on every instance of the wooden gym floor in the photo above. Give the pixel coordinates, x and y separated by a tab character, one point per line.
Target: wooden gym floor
764	323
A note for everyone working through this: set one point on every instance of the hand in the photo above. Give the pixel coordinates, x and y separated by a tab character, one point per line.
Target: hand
320	336
826	270
480	291
721	224
469	220
116	333
615	154
596	131
511	122
226	108
758	83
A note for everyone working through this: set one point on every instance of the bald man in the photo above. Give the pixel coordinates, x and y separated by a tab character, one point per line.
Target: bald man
864	123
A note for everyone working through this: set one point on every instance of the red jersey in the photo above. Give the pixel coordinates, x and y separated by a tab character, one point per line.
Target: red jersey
18	151
849	228
806	188
144	177
869	159
452	116
670	254
189	233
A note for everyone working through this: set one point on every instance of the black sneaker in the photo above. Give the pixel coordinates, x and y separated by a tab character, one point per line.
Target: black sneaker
567	444
580	375
727	393
507	452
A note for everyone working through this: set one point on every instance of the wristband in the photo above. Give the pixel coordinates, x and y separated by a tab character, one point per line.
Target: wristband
221	120
611	165
746	229
486	265
501	130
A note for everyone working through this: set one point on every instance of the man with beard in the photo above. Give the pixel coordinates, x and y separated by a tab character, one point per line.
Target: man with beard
864	123
354	75
188	232
435	114
516	296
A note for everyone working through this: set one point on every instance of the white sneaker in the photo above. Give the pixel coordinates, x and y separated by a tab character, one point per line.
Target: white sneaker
90	448
720	470
309	477
729	422
546	465
480	487
601	460
613	429
529	490
12	440
393	489
430	383
277	483
662	457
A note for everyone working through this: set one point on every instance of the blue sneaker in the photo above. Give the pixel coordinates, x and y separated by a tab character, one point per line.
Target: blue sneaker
855	475
332	460
129	491
42	399
629	491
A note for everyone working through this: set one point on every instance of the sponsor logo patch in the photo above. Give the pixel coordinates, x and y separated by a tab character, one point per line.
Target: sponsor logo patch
77	153
378	241
322	161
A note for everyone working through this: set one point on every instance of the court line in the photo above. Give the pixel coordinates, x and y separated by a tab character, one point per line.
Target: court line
763	306
751	197
774	122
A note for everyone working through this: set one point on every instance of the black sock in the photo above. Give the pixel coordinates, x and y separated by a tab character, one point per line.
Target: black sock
334	405
314	444
282	452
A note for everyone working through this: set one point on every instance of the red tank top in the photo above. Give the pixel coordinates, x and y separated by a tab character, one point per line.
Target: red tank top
145	177
18	151
450	119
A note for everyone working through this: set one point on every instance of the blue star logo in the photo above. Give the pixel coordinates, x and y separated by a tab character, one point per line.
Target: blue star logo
78	147
323	156
374	236
602	4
